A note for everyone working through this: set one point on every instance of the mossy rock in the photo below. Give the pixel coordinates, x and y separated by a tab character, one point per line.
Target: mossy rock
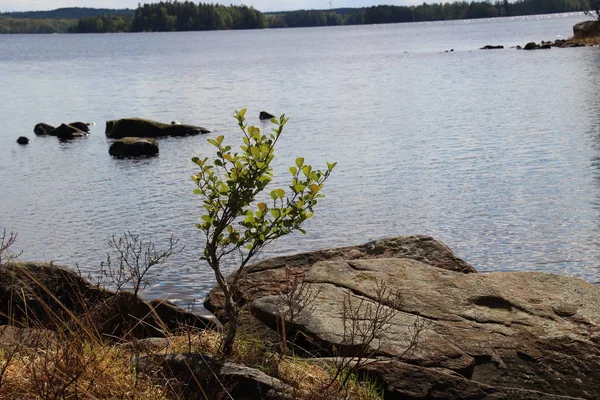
138	127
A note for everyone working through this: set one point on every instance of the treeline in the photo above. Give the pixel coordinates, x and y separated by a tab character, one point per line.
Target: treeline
190	16
30	25
68	13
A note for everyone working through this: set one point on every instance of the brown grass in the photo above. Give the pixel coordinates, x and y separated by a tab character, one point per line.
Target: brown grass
41	365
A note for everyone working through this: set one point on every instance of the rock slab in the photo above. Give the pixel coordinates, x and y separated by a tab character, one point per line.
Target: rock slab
138	127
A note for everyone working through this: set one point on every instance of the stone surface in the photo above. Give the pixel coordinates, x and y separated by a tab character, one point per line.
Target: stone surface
43	129
66	132
523	330
138	127
82	126
52	296
195	371
12	336
134	147
267	277
401	381
586	29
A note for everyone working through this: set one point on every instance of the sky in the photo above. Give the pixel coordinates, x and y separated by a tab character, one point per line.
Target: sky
262	5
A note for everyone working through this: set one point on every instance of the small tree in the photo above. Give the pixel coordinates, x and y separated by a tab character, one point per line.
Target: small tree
234	222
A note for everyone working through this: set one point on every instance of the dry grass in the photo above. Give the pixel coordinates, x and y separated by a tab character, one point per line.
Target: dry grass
75	361
72	368
47	366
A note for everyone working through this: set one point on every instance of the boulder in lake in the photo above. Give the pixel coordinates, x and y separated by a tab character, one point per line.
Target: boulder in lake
23	140
265	115
82	126
491	47
134	147
66	132
43	129
586	29
138	127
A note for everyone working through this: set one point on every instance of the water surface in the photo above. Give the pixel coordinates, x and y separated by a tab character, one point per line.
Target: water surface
496	153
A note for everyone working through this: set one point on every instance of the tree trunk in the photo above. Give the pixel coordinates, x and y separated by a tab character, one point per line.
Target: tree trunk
231	311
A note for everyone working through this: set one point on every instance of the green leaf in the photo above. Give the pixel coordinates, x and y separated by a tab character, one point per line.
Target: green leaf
299	188
299	162
293	170
331	166
280	193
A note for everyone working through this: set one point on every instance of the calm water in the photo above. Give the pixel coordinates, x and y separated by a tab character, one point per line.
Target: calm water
496	153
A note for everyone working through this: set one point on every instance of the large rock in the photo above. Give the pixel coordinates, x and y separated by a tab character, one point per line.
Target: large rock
134	147
403	381
267	277
66	132
586	29
52	296
523	330
138	127
198	373
42	129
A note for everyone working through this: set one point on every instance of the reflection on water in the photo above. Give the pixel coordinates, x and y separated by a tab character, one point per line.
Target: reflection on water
493	152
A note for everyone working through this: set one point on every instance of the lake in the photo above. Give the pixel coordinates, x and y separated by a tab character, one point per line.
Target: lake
496	153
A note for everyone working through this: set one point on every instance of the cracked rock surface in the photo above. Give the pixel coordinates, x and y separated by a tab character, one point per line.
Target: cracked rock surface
531	334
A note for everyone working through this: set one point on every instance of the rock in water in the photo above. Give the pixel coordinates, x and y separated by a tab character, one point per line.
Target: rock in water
134	147
531	46
586	29
23	140
66	132
43	129
491	47
82	126
265	115
137	127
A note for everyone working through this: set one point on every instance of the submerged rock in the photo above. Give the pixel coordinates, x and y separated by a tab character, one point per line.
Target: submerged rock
134	147
491	47
43	129
137	127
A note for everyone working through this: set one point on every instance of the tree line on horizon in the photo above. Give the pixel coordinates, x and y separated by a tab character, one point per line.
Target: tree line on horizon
189	16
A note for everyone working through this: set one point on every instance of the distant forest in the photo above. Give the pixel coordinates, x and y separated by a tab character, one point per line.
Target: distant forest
189	16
